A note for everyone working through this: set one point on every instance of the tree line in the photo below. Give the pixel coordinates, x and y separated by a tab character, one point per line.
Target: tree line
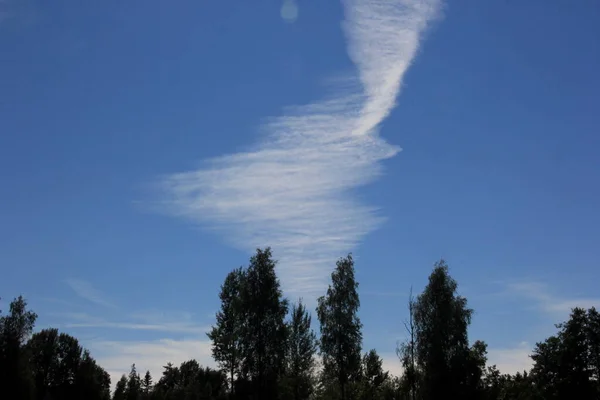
266	349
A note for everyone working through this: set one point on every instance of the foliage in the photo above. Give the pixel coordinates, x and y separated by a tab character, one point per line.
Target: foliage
264	330
15	329
341	336
133	390
61	369
373	376
263	356
190	381
120	388
226	335
301	351
566	365
409	385
147	386
442	346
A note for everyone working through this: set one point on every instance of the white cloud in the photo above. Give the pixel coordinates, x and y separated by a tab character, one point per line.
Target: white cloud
86	291
508	360
542	297
511	360
116	357
383	294
293	191
391	363
137	322
550	302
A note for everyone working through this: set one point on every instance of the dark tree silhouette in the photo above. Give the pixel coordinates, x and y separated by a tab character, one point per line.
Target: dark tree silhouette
264	328
406	352
264	353
565	365
341	336
147	386
226	335
374	376
15	329
63	370
442	346
302	348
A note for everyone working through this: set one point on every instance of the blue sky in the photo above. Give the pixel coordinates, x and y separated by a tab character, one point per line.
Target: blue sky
147	147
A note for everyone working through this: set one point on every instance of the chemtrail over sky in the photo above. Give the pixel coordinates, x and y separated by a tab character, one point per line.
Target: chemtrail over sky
293	190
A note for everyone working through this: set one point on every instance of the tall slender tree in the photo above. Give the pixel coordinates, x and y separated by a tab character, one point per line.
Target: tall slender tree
147	385
134	385
226	334
302	348
406	351
341	336
264	329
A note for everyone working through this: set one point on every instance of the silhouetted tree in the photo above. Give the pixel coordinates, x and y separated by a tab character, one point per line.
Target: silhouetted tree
190	381
92	382
302	348
392	390
442	347
406	352
474	370
15	329
593	340
565	364
264	329
341	336
147	385
120	388
519	387
134	385
54	360
263	357
226	335
373	375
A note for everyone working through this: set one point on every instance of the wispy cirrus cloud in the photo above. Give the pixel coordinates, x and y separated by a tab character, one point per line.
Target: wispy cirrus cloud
116	357
88	292
134	322
542	298
162	336
550	302
293	191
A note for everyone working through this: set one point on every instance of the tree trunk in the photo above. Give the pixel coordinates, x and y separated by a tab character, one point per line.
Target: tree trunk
231	390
